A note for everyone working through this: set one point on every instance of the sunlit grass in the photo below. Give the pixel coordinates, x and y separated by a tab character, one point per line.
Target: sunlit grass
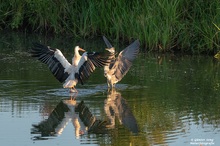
189	26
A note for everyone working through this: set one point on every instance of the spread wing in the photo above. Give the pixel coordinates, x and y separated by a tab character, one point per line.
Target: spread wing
90	61
124	60
111	49
108	44
55	60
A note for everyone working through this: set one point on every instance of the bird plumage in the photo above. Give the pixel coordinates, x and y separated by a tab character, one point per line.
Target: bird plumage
69	74
121	64
53	58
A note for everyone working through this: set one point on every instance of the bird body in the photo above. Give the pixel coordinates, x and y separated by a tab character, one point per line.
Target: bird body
120	65
70	74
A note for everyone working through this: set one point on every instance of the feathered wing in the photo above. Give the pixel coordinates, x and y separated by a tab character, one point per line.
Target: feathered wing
124	60
131	51
111	49
89	62
55	60
108	44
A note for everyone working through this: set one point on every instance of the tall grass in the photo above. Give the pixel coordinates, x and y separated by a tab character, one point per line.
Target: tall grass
161	25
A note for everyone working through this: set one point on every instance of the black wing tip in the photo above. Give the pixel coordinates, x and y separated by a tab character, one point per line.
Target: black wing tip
39	45
104	58
95	59
39	49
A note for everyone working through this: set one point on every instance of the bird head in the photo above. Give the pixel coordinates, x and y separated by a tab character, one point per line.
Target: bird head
77	49
111	50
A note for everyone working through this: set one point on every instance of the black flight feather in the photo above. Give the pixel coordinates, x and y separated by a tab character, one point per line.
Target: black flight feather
95	59
46	55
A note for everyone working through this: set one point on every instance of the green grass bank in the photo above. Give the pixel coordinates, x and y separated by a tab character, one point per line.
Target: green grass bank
164	25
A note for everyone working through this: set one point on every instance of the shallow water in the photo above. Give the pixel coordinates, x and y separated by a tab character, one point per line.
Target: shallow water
163	100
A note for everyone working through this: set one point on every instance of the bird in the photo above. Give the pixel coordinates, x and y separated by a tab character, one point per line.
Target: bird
66	73
119	65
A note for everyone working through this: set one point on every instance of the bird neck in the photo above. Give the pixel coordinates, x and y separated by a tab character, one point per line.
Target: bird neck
76	58
76	53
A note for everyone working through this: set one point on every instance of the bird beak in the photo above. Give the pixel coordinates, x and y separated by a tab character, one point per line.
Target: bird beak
80	49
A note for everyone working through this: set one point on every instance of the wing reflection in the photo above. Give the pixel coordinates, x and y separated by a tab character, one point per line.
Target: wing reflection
65	112
57	121
82	119
116	106
93	124
54	124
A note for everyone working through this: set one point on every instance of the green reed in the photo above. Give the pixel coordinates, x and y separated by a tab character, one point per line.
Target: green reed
161	25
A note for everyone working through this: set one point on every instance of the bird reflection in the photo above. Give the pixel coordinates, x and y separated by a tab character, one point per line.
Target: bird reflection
93	124
117	107
73	95
63	114
82	119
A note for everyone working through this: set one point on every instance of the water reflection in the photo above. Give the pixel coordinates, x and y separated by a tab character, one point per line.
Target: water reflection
83	120
54	124
117	107
57	121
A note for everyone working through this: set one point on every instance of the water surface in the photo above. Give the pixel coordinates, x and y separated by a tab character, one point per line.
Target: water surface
163	100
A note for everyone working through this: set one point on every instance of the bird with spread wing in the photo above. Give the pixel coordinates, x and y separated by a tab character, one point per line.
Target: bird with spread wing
65	72
120	65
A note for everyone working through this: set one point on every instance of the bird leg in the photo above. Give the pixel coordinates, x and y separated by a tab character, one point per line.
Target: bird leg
73	95
73	90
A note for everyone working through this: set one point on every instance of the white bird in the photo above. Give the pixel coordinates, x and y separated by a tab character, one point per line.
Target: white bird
121	64
70	74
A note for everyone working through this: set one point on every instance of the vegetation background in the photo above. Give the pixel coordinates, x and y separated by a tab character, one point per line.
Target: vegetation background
162	25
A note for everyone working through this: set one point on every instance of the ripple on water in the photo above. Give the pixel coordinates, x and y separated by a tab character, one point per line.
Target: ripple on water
87	90
65	92
186	126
